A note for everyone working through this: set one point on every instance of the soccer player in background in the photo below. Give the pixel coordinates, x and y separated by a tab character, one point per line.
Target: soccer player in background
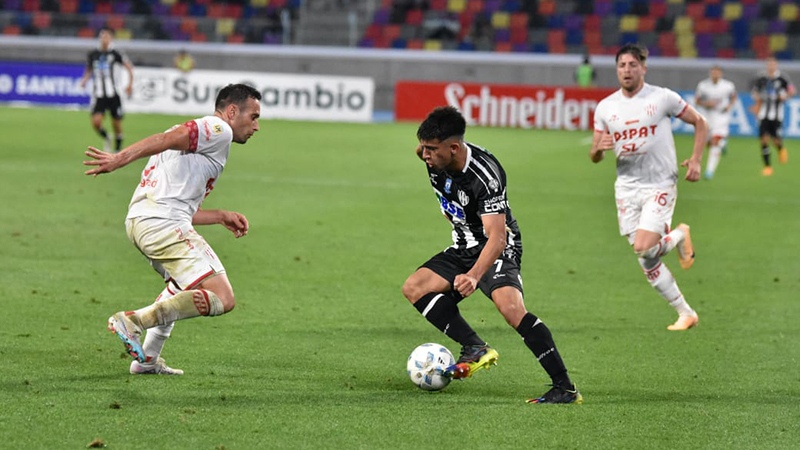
470	186
716	96
634	123
184	164
770	91
102	69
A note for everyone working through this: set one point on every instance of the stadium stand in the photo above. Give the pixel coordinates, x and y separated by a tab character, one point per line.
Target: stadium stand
677	28
242	21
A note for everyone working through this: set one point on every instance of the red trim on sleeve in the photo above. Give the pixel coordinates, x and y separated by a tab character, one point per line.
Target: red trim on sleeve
683	110
194	134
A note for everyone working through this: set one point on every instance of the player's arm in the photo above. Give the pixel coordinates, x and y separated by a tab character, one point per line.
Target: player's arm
176	139
87	72
602	141
692	117
129	67
494	226
732	101
234	221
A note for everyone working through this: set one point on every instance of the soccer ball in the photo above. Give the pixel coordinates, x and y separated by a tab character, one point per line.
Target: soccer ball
426	366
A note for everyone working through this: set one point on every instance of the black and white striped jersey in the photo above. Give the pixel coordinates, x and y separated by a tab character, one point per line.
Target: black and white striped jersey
104	66
477	190
769	90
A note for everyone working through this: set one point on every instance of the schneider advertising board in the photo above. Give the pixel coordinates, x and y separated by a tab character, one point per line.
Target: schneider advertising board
169	91
548	107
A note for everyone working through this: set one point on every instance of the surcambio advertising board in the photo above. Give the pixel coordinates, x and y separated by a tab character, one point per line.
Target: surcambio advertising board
169	91
548	107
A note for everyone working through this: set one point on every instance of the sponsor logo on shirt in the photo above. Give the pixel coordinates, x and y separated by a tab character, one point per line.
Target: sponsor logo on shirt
454	210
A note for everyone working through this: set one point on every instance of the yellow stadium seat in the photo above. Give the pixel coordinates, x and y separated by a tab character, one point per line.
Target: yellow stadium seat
168	2
683	24
685	41
675	1
777	42
687	52
500	20
123	34
629	23
225	26
732	11
433	45
259	3
788	12
456	5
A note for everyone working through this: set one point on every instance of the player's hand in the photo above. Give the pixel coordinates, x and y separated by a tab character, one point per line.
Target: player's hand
129	90
606	142
235	222
692	169
465	284
419	152
105	162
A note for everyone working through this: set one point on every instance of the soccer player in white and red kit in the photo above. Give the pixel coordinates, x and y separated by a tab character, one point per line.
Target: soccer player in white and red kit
184	164
634	122
715	96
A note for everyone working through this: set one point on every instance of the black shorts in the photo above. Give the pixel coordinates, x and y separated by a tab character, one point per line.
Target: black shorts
504	271
111	104
770	128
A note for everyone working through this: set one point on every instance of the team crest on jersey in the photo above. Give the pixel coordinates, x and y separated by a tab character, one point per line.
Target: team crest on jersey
493	184
463	198
447	185
217	129
650	110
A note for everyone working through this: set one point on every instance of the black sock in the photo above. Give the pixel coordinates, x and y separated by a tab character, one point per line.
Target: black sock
538	338
443	313
119	142
102	133
765	154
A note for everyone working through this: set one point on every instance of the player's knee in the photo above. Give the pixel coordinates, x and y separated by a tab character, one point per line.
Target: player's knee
411	290
642	251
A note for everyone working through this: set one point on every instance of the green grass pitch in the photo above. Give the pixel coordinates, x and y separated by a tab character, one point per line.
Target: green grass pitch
314	354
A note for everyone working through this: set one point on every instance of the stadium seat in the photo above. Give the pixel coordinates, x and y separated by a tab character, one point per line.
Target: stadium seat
788	12
456	6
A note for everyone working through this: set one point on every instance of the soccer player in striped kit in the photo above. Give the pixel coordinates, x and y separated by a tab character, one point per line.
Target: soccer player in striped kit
102	69
470	187
184	164
635	124
770	91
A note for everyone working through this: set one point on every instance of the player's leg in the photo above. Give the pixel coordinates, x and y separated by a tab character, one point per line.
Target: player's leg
98	112
777	141
650	246
537	337
716	145
764	134
154	341
116	121
196	266
429	289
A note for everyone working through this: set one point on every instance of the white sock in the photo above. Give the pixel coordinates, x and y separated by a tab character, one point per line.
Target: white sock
664	245
713	158
156	337
660	277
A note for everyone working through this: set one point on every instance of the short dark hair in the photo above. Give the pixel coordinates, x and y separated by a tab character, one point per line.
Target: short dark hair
235	94
442	123
636	50
107	29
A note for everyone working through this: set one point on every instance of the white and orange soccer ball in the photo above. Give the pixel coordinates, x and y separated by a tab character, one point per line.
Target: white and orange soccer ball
427	364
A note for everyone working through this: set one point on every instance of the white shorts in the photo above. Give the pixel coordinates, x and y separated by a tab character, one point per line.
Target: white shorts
718	125
648	209
175	250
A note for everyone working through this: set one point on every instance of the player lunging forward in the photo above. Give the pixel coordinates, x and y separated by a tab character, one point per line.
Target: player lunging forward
470	185
634	122
185	163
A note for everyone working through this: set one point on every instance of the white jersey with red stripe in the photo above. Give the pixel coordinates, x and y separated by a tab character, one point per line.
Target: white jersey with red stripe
174	183
642	132
719	116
